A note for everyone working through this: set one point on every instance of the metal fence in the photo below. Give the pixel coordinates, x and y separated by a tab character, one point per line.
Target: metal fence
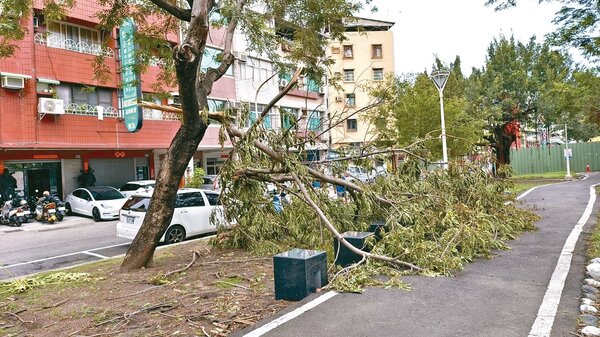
551	158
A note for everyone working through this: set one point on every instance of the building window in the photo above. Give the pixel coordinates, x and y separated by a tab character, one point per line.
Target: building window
80	95
348	75
255	111
211	60
72	37
213	165
348	53
256	70
351	124
314	121
350	100
377	74
289	117
377	52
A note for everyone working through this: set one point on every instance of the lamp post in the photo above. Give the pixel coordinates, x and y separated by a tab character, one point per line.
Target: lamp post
439	78
567	155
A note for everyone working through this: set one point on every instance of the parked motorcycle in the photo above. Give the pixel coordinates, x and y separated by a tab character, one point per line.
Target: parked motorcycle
61	210
45	210
23	210
9	215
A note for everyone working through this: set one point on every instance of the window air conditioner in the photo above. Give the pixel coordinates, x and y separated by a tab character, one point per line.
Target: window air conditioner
13	82
283	83
321	90
241	57
338	98
51	106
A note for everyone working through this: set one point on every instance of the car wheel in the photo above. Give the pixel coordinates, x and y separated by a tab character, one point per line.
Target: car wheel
96	214
175	234
68	209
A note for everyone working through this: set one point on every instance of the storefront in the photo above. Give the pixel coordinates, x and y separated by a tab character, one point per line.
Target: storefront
57	171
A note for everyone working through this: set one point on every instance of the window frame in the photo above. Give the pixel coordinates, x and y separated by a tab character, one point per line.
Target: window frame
348	75
350	121
350	99
377	71
347	48
375	48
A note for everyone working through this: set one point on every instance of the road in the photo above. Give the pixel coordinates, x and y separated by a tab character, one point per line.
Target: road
36	247
514	294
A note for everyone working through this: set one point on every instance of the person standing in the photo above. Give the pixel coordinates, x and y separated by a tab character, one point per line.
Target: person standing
9	185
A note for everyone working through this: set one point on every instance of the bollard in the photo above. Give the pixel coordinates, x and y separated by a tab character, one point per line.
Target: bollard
298	273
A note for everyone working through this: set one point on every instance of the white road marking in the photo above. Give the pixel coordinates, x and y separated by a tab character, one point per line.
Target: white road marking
96	255
64	255
290	315
542	326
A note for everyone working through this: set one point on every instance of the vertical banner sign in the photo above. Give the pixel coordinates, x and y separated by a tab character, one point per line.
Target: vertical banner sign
132	84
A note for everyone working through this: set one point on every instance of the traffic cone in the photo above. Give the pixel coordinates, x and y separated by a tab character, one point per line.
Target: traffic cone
587	168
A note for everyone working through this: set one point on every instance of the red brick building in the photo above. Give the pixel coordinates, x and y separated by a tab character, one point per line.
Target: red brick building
56	119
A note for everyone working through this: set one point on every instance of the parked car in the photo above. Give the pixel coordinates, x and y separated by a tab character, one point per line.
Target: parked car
211	182
358	173
99	202
130	188
377	171
193	209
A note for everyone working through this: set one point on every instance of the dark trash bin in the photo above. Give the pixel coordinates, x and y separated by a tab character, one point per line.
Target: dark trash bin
345	256
378	228
298	273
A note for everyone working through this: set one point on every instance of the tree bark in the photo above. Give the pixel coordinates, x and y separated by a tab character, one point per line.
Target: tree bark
184	145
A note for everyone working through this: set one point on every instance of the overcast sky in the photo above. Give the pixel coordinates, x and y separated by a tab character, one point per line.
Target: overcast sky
446	28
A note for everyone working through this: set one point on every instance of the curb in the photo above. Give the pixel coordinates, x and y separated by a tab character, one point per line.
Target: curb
590	299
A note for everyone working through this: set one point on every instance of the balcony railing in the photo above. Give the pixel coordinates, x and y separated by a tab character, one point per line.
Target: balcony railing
157	115
88	110
54	41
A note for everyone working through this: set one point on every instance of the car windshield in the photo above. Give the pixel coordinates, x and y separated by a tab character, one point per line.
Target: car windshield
137	203
105	193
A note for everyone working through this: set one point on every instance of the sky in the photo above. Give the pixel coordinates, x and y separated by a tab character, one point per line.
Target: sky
446	28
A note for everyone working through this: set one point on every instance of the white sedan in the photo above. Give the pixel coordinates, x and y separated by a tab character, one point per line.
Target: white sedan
191	216
99	202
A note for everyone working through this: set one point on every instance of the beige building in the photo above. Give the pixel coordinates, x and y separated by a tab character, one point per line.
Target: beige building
366	56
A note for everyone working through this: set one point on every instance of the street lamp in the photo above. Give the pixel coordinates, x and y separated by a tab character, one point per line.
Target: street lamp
439	78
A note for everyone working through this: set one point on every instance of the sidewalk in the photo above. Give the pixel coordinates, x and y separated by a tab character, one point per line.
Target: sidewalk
36	226
499	297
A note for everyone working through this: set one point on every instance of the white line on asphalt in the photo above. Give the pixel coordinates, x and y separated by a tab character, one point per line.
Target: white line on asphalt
527	192
290	315
64	255
542	326
96	255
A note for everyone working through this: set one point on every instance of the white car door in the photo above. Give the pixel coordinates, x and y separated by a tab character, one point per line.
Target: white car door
193	212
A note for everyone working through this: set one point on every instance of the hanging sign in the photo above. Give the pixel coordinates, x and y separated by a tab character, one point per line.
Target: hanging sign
132	84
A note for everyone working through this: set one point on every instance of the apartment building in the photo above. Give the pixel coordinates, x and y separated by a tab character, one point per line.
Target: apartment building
56	118
362	60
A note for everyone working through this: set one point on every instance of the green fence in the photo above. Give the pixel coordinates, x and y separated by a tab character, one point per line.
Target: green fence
551	159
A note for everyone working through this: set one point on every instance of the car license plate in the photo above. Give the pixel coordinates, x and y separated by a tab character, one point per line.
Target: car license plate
130	219
20	214
51	210
26	212
61	208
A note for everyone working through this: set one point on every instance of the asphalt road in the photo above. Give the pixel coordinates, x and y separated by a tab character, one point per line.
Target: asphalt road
498	297
39	247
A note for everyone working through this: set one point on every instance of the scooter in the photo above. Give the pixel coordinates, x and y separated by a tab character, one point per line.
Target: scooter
45	211
61	210
23	211
9	214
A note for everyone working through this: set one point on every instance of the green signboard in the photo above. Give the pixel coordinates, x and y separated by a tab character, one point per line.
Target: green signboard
132	84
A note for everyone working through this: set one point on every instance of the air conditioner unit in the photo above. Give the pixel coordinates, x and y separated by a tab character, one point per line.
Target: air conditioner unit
51	106
233	105
321	90
173	99
9	82
283	83
243	57
338	99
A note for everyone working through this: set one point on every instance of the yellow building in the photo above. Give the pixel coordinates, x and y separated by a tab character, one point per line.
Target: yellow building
366	56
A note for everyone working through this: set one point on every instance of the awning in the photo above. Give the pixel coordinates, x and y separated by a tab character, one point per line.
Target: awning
3	74
47	81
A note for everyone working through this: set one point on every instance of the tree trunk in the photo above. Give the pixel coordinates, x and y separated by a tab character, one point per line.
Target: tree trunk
502	145
184	145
